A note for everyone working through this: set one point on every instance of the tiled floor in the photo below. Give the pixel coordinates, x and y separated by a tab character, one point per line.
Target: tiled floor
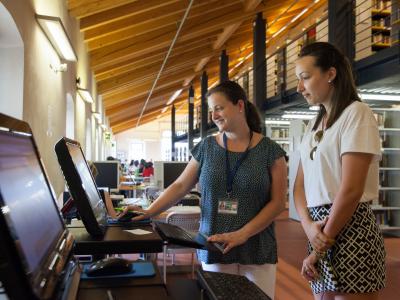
291	251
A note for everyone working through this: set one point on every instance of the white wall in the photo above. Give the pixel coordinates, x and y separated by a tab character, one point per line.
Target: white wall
150	134
11	66
45	91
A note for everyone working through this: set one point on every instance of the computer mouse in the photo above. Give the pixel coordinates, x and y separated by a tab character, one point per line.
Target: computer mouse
129	215
109	266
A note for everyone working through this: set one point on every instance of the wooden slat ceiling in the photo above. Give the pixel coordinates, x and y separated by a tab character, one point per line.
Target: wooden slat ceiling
128	40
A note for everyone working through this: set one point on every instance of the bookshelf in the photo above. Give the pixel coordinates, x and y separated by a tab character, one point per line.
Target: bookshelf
373	27
387	207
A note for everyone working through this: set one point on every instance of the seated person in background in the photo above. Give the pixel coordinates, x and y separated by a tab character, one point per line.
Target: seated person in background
107	199
148	169
133	166
139	172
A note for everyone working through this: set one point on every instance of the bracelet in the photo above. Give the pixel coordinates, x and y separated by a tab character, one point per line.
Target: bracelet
320	255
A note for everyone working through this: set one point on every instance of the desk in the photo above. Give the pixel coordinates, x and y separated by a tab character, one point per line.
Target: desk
136	292
116	240
124	288
131	189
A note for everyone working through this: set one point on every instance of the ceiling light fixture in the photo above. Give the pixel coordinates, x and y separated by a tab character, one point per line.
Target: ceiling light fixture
298	116
97	115
383	97
277	122
55	32
174	96
299	15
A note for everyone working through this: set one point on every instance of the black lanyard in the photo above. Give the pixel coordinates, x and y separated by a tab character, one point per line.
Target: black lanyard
230	175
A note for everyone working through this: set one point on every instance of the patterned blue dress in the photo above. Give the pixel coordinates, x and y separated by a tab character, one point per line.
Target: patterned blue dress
251	187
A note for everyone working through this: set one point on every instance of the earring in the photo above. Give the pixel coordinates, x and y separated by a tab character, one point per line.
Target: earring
329	81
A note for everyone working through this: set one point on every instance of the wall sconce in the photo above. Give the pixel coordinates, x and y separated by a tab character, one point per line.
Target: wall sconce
57	35
85	95
97	116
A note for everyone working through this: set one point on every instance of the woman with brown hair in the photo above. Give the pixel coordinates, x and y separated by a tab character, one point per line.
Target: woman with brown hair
336	179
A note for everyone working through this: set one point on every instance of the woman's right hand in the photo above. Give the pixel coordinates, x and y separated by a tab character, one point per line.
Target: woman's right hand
319	241
146	213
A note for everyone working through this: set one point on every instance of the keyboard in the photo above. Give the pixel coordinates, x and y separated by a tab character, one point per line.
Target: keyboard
223	286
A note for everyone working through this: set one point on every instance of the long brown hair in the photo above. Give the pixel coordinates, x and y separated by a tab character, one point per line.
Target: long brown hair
234	92
326	56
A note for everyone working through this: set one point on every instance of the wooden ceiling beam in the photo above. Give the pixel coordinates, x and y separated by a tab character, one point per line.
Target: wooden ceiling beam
81	8
114	109
177	63
122	12
154	34
150	21
132	120
123	101
143	89
171	78
135	110
153	57
129	49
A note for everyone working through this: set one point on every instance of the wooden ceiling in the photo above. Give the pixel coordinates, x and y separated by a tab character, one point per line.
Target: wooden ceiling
128	40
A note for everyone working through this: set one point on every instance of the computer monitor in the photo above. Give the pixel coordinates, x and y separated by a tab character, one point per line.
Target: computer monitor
166	172
82	186
108	174
33	239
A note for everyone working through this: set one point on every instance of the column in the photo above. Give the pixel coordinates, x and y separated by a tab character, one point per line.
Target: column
173	135
204	106
223	67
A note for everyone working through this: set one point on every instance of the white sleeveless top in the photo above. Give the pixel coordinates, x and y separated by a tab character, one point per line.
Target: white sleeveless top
356	130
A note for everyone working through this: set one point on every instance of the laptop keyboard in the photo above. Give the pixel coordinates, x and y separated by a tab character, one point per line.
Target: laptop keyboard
223	286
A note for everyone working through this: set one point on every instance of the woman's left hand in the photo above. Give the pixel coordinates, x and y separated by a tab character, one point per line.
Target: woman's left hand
229	239
309	270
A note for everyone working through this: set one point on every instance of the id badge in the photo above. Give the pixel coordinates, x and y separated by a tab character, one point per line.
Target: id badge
227	206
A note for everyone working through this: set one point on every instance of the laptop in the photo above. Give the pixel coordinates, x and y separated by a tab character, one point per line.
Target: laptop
83	189
35	247
179	236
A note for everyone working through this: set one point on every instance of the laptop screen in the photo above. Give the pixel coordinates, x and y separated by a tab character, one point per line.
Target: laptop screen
88	184
27	201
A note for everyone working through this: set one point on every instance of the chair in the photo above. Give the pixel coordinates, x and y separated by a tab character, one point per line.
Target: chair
189	221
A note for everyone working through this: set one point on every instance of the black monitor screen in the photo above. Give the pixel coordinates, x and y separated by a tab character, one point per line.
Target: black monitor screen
87	182
172	171
108	174
28	204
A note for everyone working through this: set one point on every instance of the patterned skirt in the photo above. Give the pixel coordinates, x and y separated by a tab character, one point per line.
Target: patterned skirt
356	262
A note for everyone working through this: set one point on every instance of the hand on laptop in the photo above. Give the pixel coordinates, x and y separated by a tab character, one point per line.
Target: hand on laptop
229	240
139	213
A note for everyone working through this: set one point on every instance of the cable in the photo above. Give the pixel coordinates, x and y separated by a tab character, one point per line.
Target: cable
165	61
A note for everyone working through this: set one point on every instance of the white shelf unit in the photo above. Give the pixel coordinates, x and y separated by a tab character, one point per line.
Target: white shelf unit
280	134
387	207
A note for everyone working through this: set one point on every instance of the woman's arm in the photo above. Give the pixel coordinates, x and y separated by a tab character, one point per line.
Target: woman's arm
355	168
265	217
313	230
181	186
